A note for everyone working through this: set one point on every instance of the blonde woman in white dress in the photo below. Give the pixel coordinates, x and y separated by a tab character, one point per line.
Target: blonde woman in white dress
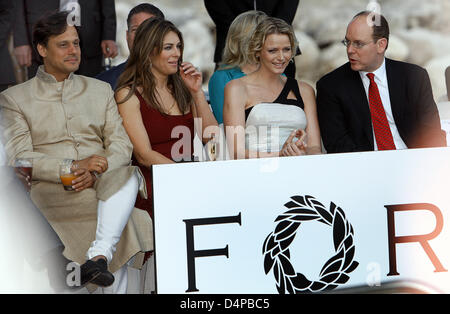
267	114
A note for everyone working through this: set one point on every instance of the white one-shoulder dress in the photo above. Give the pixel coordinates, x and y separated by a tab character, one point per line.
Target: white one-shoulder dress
268	125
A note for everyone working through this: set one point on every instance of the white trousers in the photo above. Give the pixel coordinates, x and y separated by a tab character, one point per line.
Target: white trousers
112	217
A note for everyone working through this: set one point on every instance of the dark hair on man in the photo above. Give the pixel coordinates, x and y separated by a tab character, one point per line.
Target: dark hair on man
52	24
380	25
144	8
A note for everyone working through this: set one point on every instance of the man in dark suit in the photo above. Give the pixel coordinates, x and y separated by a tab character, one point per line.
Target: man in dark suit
136	16
97	32
223	12
374	103
7	77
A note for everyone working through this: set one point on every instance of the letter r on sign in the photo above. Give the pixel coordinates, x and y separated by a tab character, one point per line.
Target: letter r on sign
421	238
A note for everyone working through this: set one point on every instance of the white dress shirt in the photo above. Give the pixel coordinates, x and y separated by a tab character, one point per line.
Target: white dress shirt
383	88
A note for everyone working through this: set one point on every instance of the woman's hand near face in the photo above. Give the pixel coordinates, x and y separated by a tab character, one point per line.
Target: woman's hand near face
192	77
193	80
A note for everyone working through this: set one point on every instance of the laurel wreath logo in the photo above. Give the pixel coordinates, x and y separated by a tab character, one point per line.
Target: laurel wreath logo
276	247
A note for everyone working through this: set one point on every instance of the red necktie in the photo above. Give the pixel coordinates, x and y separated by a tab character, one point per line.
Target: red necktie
380	123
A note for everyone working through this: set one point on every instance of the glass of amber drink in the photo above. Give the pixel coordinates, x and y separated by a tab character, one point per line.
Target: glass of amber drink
66	174
25	166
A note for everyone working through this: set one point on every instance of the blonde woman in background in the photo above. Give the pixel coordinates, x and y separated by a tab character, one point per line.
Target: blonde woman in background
235	65
235	58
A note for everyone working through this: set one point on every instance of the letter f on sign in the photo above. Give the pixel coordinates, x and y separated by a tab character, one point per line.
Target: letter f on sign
192	254
421	238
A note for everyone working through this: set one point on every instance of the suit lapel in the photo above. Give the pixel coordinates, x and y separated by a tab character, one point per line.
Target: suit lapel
360	103
395	88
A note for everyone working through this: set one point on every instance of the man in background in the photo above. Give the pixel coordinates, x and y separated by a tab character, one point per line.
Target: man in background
136	16
97	31
7	77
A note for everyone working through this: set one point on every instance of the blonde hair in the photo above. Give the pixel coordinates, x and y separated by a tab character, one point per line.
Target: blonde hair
149	41
269	26
238	38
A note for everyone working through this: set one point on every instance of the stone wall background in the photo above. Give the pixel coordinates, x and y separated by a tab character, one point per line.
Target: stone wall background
420	34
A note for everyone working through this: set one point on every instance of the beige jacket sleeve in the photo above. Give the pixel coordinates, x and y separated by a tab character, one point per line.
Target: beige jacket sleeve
18	143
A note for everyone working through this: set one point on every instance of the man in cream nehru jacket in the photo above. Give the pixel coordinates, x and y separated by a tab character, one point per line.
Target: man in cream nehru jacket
60	117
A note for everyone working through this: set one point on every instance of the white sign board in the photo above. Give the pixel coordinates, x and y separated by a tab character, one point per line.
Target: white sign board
303	224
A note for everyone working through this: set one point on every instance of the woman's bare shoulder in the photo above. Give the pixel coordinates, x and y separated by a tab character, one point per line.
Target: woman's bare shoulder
306	90
236	88
305	87
236	84
122	94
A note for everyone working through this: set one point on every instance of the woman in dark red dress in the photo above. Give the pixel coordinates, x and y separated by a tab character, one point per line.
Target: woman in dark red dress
159	96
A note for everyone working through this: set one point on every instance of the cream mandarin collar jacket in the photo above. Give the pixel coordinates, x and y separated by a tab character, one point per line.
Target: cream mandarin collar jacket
72	119
50	121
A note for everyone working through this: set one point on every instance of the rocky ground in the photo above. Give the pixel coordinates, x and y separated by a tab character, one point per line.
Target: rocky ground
420	33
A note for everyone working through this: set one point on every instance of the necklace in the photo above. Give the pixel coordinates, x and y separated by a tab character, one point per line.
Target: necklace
169	111
166	95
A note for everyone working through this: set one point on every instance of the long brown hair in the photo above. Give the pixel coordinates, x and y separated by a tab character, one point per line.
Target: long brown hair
149	42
